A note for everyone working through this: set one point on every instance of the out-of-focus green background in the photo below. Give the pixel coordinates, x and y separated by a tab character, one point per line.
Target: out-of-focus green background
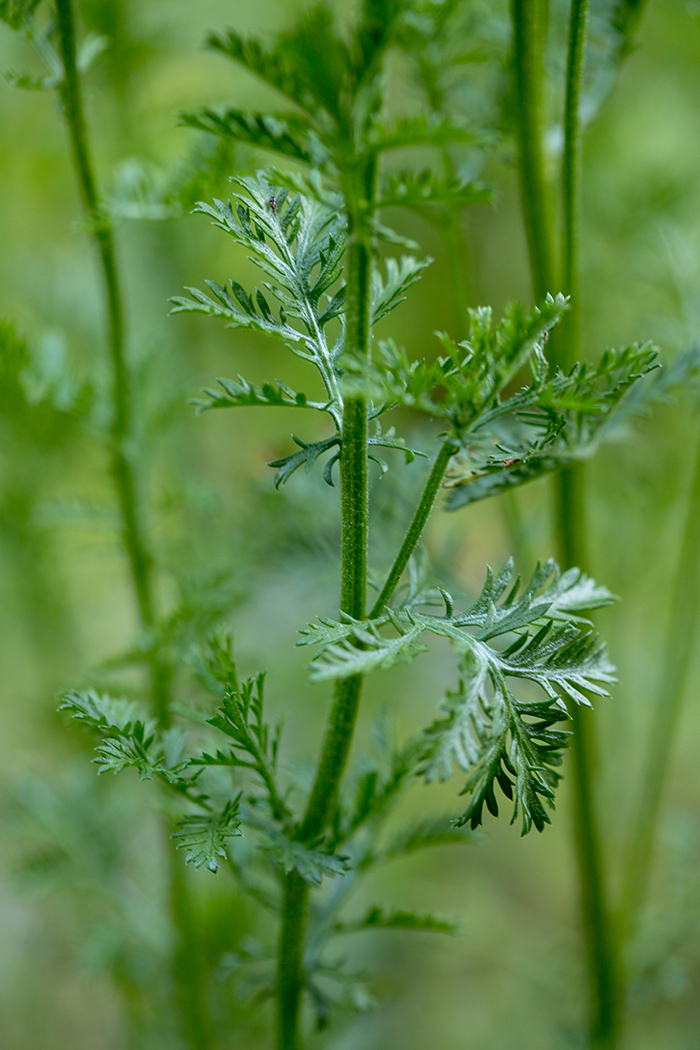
81	860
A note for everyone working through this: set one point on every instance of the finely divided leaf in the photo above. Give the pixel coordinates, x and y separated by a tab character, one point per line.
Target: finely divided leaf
205	837
286	133
103	713
488	731
400	275
311	864
409	190
397	919
305	457
420	131
298	243
242	394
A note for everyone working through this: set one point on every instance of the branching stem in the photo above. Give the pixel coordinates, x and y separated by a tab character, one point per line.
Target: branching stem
415	529
680	642
187	972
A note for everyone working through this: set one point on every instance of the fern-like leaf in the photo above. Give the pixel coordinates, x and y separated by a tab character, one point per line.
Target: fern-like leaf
489	732
242	394
408	190
204	837
397	919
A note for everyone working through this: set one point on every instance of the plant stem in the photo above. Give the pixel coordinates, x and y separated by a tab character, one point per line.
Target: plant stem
457	255
415	529
188	983
529	19
601	943
458	265
599	936
602	947
354	538
679	650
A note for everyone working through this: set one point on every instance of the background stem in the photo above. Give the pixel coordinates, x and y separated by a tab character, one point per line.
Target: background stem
529	20
529	17
602	947
187	971
679	650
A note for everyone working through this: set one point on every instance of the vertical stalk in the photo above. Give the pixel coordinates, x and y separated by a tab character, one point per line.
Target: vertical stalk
680	641
458	260
354	538
569	512
187	975
602	948
529	20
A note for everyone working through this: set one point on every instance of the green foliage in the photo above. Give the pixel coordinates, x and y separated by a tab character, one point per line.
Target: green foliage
488	732
567	416
407	190
204	838
298	244
498	740
254	745
388	292
613	26
510	438
378	919
418	131
288	134
17	13
312	864
305	457
492	404
127	741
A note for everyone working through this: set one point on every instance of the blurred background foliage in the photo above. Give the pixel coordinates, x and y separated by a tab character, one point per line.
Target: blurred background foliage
81	876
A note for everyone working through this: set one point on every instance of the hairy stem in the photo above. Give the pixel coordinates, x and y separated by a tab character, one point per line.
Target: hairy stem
679	650
354	538
415	529
569	512
187	975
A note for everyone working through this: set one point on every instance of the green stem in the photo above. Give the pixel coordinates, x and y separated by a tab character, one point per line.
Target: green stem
529	20
458	266
101	230
602	948
354	538
457	255
528	16
605	987
190	994
415	529
681	640
571	180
